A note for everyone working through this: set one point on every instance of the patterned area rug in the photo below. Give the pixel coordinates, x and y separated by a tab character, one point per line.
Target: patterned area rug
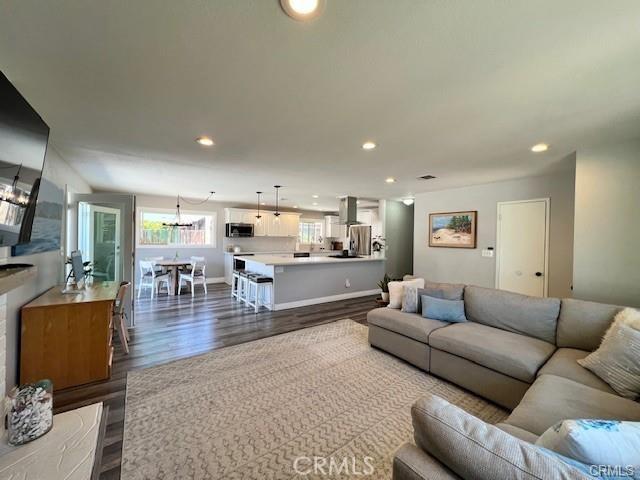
285	407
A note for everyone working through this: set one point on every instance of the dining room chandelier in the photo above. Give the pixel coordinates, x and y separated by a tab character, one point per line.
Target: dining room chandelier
178	223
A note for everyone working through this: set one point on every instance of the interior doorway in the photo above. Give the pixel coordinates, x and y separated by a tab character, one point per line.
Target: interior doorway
522	247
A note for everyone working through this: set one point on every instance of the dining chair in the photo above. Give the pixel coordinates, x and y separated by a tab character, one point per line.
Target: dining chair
195	275
157	268
151	278
119	316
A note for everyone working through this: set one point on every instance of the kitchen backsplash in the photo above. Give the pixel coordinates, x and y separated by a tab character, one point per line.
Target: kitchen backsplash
269	244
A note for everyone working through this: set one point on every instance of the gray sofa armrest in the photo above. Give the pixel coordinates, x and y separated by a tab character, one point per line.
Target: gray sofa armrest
411	463
474	449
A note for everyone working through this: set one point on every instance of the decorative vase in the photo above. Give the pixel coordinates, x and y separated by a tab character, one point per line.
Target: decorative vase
385	296
29	412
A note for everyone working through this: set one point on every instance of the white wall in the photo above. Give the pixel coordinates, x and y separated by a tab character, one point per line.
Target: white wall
49	264
607	224
467	265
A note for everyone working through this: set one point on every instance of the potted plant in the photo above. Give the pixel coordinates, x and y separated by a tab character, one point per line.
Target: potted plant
384	286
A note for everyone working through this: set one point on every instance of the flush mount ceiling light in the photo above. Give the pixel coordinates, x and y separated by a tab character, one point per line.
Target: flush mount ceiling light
205	141
390	180
540	147
303	10
408	201
314	196
368	145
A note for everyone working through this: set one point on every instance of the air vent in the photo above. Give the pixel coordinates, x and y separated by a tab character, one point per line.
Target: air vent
427	177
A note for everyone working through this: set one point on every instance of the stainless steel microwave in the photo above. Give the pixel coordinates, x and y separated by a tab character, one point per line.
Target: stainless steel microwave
233	230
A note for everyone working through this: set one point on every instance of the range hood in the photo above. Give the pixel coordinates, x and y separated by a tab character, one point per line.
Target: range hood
348	211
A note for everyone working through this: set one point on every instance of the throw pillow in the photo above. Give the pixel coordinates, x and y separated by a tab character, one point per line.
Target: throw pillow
617	359
410	299
595	442
396	290
444	310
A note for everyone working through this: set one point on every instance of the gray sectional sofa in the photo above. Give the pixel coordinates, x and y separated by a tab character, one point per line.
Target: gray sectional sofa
518	351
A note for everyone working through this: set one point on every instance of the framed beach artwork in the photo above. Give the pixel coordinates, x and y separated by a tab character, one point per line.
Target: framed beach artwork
453	229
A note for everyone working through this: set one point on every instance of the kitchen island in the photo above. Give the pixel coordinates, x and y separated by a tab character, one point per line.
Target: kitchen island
298	282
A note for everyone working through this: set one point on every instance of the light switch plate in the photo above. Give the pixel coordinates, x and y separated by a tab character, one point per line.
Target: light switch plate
279	269
487	253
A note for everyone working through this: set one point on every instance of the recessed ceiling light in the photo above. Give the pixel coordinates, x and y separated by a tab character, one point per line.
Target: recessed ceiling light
295	206
315	203
357	202
314	196
263	203
408	201
390	180
368	146
540	147
303	10
205	141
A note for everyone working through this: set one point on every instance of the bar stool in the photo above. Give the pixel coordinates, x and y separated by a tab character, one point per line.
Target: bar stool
257	290
243	285
235	281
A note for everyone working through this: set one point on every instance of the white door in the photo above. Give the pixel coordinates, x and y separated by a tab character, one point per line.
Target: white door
523	247
99	240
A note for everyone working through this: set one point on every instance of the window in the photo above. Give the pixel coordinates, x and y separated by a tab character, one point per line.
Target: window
310	232
153	233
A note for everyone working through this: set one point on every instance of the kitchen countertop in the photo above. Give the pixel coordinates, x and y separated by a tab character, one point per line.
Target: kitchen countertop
281	261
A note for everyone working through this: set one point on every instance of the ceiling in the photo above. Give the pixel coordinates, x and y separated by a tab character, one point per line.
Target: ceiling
459	90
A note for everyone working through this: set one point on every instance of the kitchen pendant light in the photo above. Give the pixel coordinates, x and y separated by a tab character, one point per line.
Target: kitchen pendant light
277	213
258	216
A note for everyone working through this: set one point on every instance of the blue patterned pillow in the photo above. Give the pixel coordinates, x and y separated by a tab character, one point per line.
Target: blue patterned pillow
444	310
609	444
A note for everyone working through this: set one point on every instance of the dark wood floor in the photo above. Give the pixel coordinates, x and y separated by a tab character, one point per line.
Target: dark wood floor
170	328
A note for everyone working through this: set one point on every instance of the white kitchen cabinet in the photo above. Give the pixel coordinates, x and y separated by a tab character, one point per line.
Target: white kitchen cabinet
332	227
287	226
365	217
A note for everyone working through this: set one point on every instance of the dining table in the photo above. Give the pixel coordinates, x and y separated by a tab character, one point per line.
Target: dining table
173	267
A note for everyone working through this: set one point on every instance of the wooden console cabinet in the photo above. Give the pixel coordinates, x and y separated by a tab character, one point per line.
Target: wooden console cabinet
67	338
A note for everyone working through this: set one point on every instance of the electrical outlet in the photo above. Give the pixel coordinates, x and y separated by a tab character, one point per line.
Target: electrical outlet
347	283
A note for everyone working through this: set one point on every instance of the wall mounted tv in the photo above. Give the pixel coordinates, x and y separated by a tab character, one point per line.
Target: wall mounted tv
23	145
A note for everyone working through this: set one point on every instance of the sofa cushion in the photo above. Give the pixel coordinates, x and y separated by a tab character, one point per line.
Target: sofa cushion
517	432
552	399
582	324
475	449
413	463
445	291
564	363
515	355
531	316
408	324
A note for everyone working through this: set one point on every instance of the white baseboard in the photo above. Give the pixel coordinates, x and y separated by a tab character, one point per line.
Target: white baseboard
215	280
330	298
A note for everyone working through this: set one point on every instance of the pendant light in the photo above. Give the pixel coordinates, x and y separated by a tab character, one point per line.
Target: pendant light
178	223
258	216
277	214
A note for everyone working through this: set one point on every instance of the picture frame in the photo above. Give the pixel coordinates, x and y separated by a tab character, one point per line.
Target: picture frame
453	229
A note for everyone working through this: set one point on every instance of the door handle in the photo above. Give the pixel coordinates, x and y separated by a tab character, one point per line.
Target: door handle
538	274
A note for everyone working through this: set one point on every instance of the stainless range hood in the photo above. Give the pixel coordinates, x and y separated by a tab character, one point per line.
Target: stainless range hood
348	211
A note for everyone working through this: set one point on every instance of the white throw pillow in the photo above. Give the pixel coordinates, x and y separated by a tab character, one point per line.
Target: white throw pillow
617	359
595	442
396	290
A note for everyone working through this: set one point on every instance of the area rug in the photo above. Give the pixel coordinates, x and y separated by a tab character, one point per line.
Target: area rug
283	407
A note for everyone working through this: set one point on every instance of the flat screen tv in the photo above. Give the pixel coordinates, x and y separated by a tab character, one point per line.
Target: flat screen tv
23	145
